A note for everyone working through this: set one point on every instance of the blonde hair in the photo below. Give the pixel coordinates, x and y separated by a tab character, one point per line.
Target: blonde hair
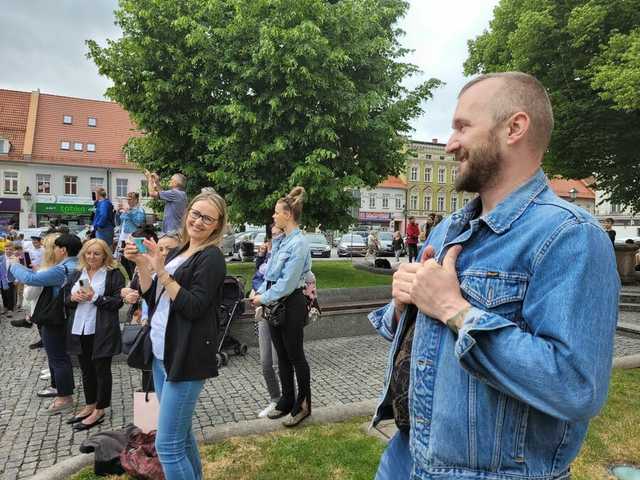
293	201
109	261
48	255
216	237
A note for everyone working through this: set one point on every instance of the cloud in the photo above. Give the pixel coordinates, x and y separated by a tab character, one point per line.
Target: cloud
42	45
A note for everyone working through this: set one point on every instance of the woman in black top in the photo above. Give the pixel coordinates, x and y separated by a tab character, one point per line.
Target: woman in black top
92	296
183	298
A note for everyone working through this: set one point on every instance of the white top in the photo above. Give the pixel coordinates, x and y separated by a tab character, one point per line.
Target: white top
161	315
36	256
84	321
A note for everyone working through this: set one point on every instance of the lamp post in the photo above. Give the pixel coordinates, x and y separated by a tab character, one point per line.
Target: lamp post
573	194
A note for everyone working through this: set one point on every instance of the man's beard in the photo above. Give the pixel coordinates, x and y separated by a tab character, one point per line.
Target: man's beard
483	165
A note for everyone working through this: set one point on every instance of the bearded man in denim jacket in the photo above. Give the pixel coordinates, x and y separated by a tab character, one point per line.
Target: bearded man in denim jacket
503	334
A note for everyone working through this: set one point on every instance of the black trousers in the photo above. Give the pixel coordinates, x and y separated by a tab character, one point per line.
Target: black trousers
412	251
97	380
9	297
287	340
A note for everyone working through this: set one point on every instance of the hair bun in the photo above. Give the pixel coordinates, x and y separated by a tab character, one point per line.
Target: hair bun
296	195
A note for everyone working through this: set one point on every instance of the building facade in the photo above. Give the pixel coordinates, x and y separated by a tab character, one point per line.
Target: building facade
55	151
575	191
383	206
430	175
626	225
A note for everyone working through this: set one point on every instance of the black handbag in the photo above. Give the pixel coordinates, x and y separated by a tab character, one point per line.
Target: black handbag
141	354
275	314
50	309
129	334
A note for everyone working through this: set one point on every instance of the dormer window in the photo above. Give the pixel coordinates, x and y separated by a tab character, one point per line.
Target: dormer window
92	122
67	119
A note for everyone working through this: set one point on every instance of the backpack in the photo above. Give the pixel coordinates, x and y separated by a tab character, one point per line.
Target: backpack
50	309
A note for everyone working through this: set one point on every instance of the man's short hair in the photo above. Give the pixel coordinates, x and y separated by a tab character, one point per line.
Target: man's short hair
609	220
69	241
181	179
522	93
412	218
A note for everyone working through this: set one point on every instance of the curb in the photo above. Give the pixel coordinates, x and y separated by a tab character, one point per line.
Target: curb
630	361
334	413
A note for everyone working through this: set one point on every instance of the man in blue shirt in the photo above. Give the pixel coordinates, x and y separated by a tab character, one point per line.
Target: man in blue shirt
103	221
175	200
503	333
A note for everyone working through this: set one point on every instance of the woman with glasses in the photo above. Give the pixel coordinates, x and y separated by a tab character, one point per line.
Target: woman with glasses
183	298
284	281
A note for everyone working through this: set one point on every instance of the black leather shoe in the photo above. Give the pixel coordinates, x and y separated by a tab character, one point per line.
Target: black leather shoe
21	323
77	419
81	427
35	345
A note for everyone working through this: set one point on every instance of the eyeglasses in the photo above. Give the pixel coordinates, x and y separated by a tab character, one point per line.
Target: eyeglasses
206	219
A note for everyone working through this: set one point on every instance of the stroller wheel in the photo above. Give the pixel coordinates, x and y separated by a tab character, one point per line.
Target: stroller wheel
225	358
243	349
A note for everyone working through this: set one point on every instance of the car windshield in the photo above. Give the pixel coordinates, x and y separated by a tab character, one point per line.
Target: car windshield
352	238
386	236
316	238
259	238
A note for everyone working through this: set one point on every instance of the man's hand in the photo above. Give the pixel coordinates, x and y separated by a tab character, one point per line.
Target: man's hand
403	281
435	289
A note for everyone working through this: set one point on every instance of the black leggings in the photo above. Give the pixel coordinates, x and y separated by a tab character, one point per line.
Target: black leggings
287	340
97	380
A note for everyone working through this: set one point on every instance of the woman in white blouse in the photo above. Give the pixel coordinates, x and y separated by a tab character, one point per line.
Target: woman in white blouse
93	298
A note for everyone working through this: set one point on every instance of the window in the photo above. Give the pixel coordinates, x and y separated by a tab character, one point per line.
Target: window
441	157
427	201
414	202
372	201
442	171
428	156
70	185
427	174
144	188
414	174
67	119
92	122
385	201
77	146
454	201
91	147
122	187
10	182
454	174
65	145
43	183
5	146
96	182
398	203
440	202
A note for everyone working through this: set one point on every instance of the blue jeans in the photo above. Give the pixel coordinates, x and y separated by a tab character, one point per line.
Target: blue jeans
175	443
396	462
105	234
54	340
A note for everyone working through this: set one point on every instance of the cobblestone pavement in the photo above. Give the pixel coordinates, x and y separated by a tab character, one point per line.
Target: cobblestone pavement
343	370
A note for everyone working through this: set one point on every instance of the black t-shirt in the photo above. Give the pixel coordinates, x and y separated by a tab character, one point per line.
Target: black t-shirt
612	236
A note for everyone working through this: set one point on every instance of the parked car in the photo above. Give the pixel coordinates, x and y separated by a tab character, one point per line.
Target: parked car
258	240
385	241
318	245
244	238
351	244
228	242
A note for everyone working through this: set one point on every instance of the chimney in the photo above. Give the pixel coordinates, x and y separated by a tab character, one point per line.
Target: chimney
434	140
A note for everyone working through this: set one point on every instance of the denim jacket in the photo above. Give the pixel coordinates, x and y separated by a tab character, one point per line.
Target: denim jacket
511	396
287	268
55	276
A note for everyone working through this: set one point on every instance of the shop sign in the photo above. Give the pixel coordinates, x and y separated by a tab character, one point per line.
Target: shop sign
374	216
9	205
63	209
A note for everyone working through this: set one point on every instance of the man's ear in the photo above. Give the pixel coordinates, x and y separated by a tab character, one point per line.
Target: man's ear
517	127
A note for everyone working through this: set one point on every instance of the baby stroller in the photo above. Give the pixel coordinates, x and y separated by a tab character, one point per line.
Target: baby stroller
230	310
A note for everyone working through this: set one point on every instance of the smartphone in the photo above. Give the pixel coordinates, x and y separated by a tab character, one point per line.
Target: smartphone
27	260
81	283
139	245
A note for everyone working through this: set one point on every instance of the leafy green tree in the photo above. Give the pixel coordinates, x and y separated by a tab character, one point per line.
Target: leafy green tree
587	54
253	97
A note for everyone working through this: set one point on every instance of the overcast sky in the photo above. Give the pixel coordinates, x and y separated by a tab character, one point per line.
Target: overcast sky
42	46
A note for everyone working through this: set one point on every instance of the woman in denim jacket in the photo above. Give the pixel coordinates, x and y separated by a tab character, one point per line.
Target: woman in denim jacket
284	281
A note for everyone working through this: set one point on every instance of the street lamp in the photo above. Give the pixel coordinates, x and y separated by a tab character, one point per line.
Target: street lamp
27	195
573	194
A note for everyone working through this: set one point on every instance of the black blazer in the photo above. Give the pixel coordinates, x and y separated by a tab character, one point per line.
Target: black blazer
190	342
107	341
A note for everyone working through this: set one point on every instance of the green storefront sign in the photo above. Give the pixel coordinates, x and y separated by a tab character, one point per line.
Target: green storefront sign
63	209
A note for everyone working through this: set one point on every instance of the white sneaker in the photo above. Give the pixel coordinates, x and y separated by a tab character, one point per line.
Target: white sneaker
44	370
45	376
270	408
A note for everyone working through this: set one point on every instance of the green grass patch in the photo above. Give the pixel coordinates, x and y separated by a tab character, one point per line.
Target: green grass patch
343	451
329	274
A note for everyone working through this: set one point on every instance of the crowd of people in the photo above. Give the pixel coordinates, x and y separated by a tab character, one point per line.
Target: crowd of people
73	292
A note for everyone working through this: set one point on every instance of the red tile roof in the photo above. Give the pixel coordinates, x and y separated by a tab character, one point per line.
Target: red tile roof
393	182
14	110
562	188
